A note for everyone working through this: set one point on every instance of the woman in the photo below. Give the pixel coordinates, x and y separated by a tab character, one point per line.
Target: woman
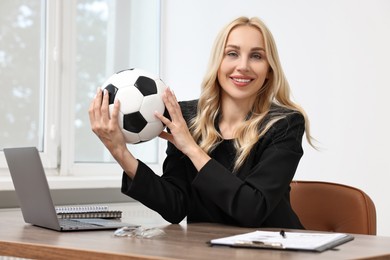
231	154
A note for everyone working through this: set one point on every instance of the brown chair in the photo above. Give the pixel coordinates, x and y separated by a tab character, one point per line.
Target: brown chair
325	206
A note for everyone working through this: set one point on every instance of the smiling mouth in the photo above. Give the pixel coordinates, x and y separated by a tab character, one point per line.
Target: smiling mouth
241	80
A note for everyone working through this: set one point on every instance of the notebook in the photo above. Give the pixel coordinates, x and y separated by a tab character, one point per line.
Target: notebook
34	196
87	211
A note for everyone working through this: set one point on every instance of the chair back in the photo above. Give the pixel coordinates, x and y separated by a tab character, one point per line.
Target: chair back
325	206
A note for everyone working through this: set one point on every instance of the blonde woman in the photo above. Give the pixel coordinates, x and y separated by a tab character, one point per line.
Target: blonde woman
233	152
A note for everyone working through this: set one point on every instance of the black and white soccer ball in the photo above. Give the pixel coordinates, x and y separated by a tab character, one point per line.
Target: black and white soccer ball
139	93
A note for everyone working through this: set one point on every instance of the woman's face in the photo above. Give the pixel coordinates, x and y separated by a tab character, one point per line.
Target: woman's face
244	66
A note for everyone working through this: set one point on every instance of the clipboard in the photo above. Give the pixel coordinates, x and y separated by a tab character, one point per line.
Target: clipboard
302	241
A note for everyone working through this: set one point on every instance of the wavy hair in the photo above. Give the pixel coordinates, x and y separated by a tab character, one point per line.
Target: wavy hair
275	90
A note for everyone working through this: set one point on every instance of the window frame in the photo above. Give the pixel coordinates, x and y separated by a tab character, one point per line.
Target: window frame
58	142
50	74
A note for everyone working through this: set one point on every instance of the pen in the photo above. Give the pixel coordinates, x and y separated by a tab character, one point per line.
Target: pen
282	233
257	243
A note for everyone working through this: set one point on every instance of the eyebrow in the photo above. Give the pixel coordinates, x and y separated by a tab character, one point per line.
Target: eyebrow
238	47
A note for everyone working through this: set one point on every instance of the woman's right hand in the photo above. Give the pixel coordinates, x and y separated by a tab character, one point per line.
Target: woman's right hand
107	128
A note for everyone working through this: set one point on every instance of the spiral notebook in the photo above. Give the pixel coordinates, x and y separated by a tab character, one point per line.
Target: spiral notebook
87	211
35	200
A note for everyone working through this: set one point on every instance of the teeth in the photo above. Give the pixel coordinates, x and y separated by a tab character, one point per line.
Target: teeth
242	80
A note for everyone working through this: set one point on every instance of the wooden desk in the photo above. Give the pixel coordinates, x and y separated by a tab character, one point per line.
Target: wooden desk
180	242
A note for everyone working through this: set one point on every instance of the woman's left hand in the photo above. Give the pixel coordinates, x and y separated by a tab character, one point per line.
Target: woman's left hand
180	136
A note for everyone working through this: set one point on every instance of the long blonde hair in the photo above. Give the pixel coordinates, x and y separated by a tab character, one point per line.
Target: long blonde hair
275	90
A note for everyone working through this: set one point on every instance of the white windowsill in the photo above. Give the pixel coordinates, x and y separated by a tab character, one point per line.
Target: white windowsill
85	177
71	182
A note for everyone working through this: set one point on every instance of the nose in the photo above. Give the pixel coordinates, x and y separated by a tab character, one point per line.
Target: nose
243	64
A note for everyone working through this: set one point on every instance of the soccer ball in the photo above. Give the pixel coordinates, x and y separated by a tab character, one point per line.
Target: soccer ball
139	93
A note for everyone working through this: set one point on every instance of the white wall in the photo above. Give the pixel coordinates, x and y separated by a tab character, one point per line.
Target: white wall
336	57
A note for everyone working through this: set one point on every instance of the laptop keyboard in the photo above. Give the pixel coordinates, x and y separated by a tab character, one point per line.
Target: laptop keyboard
101	222
88	223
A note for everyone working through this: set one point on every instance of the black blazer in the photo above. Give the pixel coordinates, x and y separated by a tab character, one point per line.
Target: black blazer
256	196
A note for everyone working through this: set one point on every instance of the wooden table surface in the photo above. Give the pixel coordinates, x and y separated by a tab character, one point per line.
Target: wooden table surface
183	241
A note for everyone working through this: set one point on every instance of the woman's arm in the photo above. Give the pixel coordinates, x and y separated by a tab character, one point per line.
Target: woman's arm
106	127
168	194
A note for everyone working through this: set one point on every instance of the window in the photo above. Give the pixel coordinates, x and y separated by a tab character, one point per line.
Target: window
53	57
21	72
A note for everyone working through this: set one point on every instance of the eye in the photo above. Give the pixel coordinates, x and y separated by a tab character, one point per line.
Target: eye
257	56
231	54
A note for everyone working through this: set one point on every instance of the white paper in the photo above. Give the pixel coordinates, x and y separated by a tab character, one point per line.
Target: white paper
291	240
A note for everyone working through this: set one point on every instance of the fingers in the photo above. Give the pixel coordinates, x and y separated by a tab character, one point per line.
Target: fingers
115	112
172	98
94	108
99	111
173	108
105	113
90	112
163	119
170	95
171	104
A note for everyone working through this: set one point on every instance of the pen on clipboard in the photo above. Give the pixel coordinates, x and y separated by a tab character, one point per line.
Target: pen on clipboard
257	243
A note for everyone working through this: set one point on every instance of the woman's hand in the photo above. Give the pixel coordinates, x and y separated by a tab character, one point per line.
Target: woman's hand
104	126
107	128
180	135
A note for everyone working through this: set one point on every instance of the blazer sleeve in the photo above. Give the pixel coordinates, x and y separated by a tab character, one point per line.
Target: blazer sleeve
250	200
167	194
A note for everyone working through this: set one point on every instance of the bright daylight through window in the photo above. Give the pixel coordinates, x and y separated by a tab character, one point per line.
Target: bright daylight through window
53	56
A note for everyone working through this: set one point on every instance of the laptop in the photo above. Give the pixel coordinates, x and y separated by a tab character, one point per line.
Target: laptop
34	196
